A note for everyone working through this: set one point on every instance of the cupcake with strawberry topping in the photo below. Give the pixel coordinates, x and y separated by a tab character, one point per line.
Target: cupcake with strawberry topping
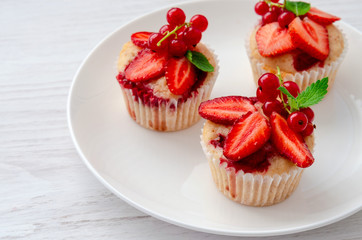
302	40
258	147
165	75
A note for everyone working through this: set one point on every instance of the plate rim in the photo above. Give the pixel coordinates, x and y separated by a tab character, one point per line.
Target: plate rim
256	233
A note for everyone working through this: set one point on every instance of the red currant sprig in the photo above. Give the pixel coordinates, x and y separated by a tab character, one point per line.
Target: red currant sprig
274	100
300	121
179	36
273	11
268	93
170	33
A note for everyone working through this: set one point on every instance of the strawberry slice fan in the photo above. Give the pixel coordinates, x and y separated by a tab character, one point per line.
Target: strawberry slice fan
299	38
306	35
250	130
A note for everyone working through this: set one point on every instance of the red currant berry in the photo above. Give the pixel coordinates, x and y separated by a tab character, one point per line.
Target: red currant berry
264	96
165	28
260	96
277	10
308	130
282	10
272	106
200	22
180	32
177	47
297	121
154	39
175	16
292	87
261	8
268	82
271	94
285	18
192	36
309	113
269	17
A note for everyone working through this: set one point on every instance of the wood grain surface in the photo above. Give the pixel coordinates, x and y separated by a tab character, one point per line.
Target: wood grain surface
46	191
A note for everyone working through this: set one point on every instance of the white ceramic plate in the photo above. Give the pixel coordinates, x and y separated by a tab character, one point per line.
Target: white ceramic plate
166	174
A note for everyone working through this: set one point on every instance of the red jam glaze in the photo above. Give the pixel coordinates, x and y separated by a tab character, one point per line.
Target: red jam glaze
219	142
256	162
303	61
145	94
253	100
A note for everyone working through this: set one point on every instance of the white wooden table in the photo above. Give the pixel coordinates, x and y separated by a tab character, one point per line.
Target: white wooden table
46	191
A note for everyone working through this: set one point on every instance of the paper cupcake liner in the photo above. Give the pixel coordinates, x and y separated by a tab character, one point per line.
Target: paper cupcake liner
302	78
171	114
252	189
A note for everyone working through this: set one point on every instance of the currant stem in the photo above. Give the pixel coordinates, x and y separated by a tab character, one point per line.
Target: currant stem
170	33
281	94
275	4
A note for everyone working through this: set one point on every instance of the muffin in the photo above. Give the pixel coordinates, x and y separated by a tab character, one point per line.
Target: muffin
164	76
257	152
252	183
305	46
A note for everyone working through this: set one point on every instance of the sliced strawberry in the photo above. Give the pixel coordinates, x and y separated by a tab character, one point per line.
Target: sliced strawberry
146	65
321	17
226	110
180	75
249	133
289	143
273	40
310	37
140	38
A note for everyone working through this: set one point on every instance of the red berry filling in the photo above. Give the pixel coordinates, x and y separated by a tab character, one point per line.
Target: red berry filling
256	162
303	61
219	142
145	94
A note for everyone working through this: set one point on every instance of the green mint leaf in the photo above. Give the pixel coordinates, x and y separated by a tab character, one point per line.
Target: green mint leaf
313	94
285	91
292	101
298	8
199	60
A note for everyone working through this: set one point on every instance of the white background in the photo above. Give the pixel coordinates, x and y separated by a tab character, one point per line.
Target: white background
46	191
